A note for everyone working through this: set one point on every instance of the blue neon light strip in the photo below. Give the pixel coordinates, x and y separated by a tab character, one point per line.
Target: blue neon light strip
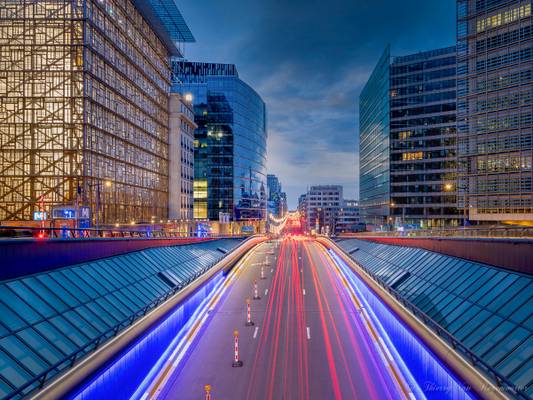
130	373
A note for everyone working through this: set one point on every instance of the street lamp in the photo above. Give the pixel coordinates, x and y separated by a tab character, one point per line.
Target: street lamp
448	187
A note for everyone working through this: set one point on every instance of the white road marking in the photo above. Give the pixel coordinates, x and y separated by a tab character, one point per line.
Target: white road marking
304	292
308	333
266	291
255	331
272	270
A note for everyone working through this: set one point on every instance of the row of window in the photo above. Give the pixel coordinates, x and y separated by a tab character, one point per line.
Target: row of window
504	80
420	66
437	120
505	59
504	39
423	132
503	18
508	100
428	98
504	163
503	122
505	142
423	77
434	109
506	184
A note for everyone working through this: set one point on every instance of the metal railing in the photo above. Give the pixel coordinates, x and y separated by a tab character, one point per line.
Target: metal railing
469	232
502	382
29	232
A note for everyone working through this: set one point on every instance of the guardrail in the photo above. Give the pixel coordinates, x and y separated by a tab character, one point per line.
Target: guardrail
113	332
28	232
469	232
502	382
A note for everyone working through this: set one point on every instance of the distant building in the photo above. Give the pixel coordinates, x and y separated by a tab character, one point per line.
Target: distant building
181	158
348	219
408	141
84	107
323	203
495	114
229	144
277	199
302	206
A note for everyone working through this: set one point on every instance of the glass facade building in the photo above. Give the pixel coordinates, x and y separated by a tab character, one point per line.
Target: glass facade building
230	142
423	139
84	101
408	141
374	144
495	114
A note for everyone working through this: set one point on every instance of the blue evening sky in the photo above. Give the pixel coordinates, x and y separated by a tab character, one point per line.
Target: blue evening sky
309	61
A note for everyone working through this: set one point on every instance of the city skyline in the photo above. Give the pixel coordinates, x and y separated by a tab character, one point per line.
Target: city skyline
308	95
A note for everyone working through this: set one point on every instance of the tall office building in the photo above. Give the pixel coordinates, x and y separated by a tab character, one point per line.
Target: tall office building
495	136
374	144
423	139
84	106
408	141
230	142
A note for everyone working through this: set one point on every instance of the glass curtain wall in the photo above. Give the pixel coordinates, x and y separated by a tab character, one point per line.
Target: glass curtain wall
374	145
423	139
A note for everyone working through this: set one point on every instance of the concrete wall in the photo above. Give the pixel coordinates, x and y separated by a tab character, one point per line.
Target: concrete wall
512	254
22	257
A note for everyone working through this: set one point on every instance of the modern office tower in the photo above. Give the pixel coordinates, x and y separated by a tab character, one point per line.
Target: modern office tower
423	144
374	145
229	144
408	141
84	106
181	158
348	219
323	203
494	90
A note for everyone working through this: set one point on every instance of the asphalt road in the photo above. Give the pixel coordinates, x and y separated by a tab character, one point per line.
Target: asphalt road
308	342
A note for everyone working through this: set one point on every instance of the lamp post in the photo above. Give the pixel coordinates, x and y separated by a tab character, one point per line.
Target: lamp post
448	187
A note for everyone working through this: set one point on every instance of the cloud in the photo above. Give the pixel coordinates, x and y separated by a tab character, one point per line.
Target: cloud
309	60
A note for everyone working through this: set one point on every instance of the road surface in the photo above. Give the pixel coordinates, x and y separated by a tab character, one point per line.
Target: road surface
308	341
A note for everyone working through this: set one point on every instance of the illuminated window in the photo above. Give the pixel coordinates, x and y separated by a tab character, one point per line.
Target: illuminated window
404	135
418	155
504	18
200	189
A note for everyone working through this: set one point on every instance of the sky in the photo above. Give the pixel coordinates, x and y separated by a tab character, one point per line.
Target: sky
309	61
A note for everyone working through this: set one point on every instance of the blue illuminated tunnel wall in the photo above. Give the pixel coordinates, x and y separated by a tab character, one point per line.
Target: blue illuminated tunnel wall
122	378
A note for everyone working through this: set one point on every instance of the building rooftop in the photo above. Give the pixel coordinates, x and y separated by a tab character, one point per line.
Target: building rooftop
486	309
167	21
424	55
